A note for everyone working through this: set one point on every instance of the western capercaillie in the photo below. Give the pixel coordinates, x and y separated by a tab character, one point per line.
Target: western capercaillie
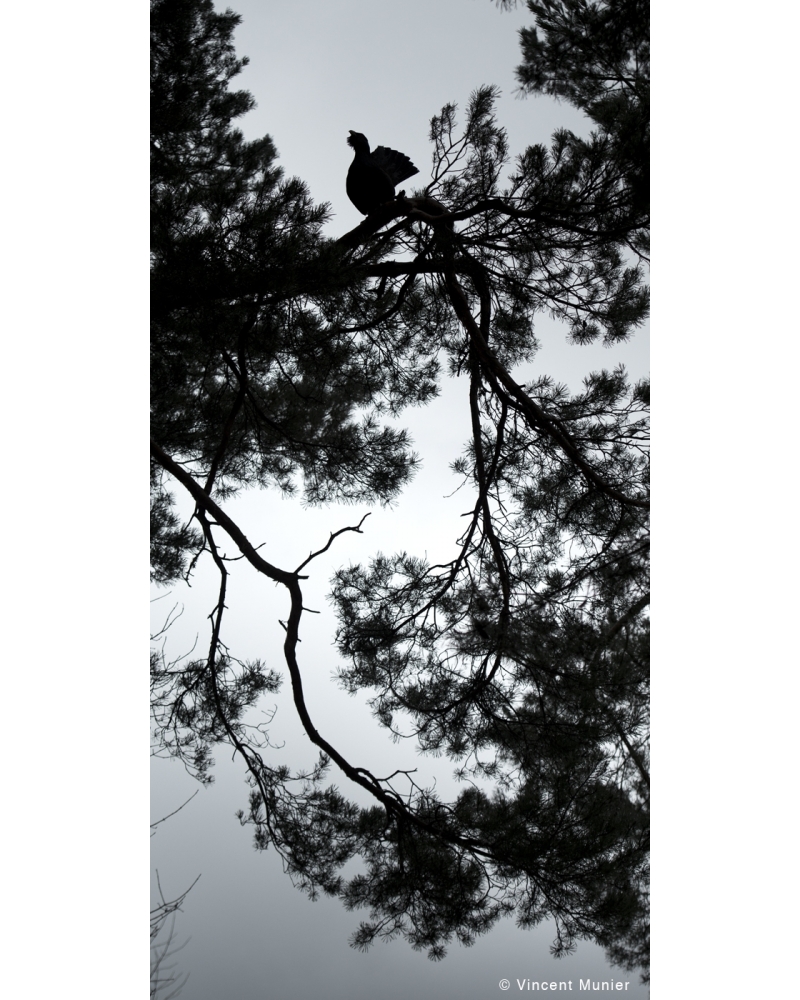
372	176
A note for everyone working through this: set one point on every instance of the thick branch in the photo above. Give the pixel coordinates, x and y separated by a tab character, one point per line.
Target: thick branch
534	215
204	501
535	414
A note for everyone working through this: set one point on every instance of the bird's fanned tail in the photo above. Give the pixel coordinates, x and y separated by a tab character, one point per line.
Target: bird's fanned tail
397	165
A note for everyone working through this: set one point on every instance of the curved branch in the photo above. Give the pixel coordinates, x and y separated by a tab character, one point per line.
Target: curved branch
390	800
534	413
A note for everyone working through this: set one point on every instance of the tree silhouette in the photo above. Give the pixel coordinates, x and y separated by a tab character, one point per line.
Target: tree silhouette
275	353
165	984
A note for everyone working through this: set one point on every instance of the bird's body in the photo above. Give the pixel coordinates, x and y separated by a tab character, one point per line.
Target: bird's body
373	175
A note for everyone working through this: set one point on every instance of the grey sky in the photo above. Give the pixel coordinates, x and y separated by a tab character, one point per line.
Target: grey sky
318	69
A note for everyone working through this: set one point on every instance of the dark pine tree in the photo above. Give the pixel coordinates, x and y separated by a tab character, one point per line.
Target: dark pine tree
275	352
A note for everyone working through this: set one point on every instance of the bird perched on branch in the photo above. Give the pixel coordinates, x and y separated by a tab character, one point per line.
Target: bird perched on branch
373	175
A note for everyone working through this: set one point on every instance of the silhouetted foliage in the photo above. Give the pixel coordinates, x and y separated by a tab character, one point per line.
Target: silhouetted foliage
597	57
276	352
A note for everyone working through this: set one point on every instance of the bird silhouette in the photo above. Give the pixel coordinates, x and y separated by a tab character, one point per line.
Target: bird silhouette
373	175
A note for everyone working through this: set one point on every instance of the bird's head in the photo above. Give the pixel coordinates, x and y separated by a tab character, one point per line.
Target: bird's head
358	142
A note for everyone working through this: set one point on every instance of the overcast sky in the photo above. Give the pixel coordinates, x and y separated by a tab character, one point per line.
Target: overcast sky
318	69
75	414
